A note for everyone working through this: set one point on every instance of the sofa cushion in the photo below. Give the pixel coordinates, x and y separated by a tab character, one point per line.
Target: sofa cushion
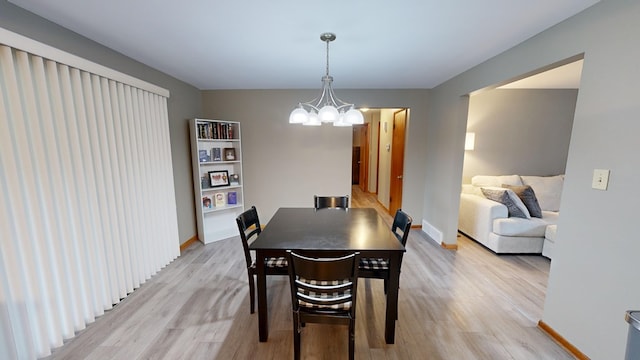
528	197
548	190
497	181
550	232
509	199
525	227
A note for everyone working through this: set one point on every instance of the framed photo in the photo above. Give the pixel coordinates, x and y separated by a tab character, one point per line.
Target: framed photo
229	154
204	156
232	198
219	178
216	154
220	199
206	202
234	179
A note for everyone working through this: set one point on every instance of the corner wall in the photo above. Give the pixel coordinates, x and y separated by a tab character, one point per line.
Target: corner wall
593	277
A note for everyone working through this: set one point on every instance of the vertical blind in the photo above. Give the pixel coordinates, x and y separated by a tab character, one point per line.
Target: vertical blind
87	206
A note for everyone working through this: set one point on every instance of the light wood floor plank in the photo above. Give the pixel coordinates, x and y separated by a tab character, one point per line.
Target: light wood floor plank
464	304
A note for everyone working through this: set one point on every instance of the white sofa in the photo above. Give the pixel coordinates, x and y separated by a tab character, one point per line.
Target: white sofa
549	241
488	221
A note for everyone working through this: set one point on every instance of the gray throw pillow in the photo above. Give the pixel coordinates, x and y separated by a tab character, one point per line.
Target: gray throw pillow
503	197
528	197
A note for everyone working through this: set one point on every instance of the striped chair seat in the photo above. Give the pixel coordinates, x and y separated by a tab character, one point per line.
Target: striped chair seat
276	262
329	297
374	264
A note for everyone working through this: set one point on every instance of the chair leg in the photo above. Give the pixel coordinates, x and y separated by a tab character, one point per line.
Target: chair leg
385	286
252	293
296	337
352	338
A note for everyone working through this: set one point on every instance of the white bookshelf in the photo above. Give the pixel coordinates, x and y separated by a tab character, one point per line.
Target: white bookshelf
213	172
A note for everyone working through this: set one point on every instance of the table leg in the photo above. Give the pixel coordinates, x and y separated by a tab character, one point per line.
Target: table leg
263	311
395	260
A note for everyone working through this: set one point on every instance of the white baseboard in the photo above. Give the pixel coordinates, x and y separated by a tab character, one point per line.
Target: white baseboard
431	231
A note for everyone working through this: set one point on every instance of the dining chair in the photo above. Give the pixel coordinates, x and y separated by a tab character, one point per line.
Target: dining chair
324	202
378	268
323	290
249	228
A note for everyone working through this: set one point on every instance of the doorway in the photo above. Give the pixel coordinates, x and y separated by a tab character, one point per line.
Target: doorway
360	157
397	160
378	155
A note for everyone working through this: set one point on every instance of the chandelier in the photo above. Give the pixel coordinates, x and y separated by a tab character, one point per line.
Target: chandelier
326	108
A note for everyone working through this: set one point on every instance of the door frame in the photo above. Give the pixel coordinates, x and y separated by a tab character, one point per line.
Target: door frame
396	172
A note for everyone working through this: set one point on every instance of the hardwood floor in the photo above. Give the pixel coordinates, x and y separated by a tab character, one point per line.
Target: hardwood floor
464	304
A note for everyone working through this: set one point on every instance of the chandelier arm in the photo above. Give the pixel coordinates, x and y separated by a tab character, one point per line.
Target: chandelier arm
336	102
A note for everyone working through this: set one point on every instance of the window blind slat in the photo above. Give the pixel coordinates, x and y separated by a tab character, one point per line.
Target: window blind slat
87	204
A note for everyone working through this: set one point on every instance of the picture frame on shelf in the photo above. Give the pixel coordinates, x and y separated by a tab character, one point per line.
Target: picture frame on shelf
216	154
220	199
204	156
219	178
234	179
229	154
206	202
205	181
232	198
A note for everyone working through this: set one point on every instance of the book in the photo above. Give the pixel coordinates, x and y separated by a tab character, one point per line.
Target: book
206	202
204	156
216	154
220	199
232	198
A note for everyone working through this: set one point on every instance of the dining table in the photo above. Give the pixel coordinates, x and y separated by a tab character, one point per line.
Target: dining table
325	233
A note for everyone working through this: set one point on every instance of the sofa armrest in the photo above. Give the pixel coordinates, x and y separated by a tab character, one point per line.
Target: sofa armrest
477	215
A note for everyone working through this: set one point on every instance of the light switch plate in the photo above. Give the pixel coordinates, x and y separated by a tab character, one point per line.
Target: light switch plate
600	179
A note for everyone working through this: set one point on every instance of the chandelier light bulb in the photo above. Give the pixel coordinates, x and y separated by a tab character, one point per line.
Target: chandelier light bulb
298	116
328	113
354	116
313	119
342	120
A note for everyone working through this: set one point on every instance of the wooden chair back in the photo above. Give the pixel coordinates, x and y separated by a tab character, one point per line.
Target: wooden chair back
401	226
325	202
323	290
249	229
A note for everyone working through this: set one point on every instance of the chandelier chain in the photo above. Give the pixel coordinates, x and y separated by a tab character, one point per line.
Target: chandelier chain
327	41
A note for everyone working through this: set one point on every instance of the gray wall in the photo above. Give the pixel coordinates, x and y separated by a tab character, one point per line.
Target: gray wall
594	271
184	103
285	165
524	132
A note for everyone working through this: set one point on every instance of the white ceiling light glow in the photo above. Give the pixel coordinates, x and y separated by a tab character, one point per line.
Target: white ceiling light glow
326	108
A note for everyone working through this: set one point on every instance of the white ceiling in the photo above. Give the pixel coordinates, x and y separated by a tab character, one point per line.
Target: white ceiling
243	44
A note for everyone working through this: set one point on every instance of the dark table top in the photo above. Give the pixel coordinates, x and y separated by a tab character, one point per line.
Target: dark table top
353	229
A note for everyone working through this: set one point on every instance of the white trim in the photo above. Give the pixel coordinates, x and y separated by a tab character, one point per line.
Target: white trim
26	44
432	232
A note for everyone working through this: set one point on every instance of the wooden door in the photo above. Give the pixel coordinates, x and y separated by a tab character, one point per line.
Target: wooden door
355	165
364	157
397	160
